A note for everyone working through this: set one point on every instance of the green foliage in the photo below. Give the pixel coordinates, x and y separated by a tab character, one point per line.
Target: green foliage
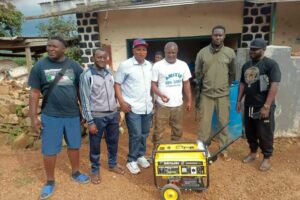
19	110
20	61
10	20
65	28
74	53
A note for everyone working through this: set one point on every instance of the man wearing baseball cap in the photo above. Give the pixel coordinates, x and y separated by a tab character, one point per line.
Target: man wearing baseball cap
132	87
259	84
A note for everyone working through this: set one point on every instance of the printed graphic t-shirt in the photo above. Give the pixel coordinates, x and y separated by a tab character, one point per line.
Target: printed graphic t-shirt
63	100
257	77
170	79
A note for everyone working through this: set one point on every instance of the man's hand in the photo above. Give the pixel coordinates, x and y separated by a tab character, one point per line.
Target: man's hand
93	129
188	106
264	113
164	98
125	107
36	125
238	107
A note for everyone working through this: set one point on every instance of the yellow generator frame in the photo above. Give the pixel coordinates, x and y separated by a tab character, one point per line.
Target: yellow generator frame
181	165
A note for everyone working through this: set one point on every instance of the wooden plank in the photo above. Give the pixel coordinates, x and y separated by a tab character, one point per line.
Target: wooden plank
28	58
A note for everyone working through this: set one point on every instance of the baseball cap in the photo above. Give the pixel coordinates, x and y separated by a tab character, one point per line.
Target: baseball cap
139	42
258	43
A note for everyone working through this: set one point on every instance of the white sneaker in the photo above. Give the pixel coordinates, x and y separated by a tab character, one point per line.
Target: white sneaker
143	162
133	167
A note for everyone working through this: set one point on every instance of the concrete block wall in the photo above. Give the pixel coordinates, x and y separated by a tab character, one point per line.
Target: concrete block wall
287	113
257	20
88	31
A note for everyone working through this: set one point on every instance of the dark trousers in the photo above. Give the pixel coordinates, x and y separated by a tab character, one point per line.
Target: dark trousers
109	125
260	132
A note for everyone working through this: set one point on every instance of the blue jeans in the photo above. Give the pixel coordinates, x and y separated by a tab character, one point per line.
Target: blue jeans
138	129
110	126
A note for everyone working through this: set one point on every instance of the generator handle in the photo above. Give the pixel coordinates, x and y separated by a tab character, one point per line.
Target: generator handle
208	141
214	156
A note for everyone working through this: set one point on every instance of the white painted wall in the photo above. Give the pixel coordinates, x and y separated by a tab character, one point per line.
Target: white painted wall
179	21
288	25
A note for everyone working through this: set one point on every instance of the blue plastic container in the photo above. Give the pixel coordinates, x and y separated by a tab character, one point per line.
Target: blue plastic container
235	126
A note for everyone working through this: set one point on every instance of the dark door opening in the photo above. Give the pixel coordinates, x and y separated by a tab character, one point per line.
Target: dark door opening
188	46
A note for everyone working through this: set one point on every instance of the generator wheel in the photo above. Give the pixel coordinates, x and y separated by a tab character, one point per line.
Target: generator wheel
170	192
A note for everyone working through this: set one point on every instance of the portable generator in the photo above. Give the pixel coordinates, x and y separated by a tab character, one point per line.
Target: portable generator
183	165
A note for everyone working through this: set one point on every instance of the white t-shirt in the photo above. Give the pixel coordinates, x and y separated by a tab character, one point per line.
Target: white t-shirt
170	79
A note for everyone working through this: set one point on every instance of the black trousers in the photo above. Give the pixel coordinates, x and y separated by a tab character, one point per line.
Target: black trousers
259	132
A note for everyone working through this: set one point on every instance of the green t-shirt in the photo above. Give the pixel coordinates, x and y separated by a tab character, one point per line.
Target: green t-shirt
63	100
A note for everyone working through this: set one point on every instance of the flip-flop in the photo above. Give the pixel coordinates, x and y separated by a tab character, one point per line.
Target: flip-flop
80	178
95	179
47	191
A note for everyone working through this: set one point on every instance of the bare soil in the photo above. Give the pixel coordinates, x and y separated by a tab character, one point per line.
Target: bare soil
22	175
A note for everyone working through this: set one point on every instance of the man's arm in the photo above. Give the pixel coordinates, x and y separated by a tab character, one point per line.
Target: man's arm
188	94
155	90
34	97
84	91
125	107
265	110
240	97
198	67
232	70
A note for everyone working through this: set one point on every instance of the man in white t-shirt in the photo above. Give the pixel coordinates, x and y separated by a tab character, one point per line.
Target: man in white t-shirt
169	76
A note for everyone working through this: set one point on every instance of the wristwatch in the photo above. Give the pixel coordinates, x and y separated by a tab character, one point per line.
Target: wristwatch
266	106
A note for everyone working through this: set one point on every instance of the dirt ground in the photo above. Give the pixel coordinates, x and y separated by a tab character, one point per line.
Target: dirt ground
22	175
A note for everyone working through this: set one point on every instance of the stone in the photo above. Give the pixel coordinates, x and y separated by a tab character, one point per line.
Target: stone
254	29
245	29
265	10
11	119
247	37
121	130
80	30
25	111
86	37
17	72
265	29
82	45
248	20
93	21
246	11
88	29
37	144
3	139
22	141
4	111
254	11
88	52
95	37
96	29
79	15
4	89
259	20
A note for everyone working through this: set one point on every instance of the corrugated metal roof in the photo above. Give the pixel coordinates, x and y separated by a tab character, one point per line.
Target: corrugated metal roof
63	7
